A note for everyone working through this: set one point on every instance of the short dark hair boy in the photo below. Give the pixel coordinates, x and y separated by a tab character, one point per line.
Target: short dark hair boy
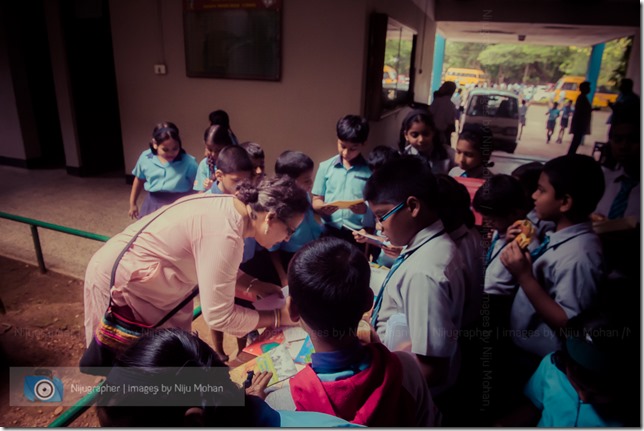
562	279
293	164
329	292
380	155
353	128
581	178
426	285
234	159
330	274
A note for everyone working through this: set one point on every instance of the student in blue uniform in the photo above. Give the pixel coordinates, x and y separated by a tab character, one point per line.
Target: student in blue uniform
342	178
528	175
385	254
215	138
256	154
299	167
425	284
562	279
589	382
165	171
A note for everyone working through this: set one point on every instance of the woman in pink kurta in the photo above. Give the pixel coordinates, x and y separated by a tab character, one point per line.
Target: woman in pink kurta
198	240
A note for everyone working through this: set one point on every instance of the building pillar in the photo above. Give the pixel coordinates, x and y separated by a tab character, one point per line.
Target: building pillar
594	64
437	68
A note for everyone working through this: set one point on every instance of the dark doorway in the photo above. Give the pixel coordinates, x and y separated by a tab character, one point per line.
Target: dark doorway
88	42
25	31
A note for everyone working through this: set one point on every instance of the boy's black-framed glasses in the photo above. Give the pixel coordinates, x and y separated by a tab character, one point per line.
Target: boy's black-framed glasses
391	212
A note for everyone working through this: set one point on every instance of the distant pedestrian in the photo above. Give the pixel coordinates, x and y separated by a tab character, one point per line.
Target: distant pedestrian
566	112
457	100
580	123
443	111
523	110
553	114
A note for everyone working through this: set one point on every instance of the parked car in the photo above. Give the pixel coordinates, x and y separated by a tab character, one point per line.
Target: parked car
497	109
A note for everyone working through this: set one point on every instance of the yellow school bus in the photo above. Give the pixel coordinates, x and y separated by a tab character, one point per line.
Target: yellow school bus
568	88
463	76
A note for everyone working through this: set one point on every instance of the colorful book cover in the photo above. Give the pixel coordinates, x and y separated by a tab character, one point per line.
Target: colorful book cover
268	340
304	357
277	361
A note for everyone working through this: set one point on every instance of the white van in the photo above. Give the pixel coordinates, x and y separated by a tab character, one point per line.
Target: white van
497	109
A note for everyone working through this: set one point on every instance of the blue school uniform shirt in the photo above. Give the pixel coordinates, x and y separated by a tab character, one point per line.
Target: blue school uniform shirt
177	176
334	182
309	230
250	245
542	227
551	392
570	271
566	112
498	280
553	114
203	173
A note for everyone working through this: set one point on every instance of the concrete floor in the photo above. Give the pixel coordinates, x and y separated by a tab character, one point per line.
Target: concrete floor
100	204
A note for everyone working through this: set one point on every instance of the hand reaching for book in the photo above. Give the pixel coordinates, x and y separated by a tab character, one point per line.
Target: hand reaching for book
259	383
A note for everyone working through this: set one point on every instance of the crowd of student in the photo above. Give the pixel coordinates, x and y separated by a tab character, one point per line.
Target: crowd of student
555	341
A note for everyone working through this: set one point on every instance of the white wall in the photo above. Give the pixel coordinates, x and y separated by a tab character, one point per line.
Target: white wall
323	69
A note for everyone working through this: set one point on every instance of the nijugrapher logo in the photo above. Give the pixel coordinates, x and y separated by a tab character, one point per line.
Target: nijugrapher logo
43	386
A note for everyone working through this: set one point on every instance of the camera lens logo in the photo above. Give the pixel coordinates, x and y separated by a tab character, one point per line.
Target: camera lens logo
43	388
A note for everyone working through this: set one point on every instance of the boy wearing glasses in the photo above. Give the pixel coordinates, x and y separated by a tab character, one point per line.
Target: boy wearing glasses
342	178
424	290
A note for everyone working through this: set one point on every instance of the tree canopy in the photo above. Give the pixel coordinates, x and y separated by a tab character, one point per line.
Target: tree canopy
535	64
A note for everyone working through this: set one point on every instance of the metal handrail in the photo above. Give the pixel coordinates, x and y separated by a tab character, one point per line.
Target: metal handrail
71	414
35	224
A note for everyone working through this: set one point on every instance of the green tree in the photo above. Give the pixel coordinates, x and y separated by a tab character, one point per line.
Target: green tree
462	54
538	63
523	63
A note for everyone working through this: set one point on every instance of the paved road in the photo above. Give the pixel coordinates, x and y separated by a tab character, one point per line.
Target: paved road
533	146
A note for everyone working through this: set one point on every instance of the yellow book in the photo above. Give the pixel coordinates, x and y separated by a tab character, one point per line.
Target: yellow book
343	205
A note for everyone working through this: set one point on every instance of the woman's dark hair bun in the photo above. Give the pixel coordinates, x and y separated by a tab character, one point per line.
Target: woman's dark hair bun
247	192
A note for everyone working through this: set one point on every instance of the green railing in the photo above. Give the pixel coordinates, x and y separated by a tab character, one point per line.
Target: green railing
72	413
35	224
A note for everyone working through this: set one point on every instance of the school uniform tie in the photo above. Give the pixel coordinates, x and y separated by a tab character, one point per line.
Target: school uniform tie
399	260
618	207
378	303
537	252
488	255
